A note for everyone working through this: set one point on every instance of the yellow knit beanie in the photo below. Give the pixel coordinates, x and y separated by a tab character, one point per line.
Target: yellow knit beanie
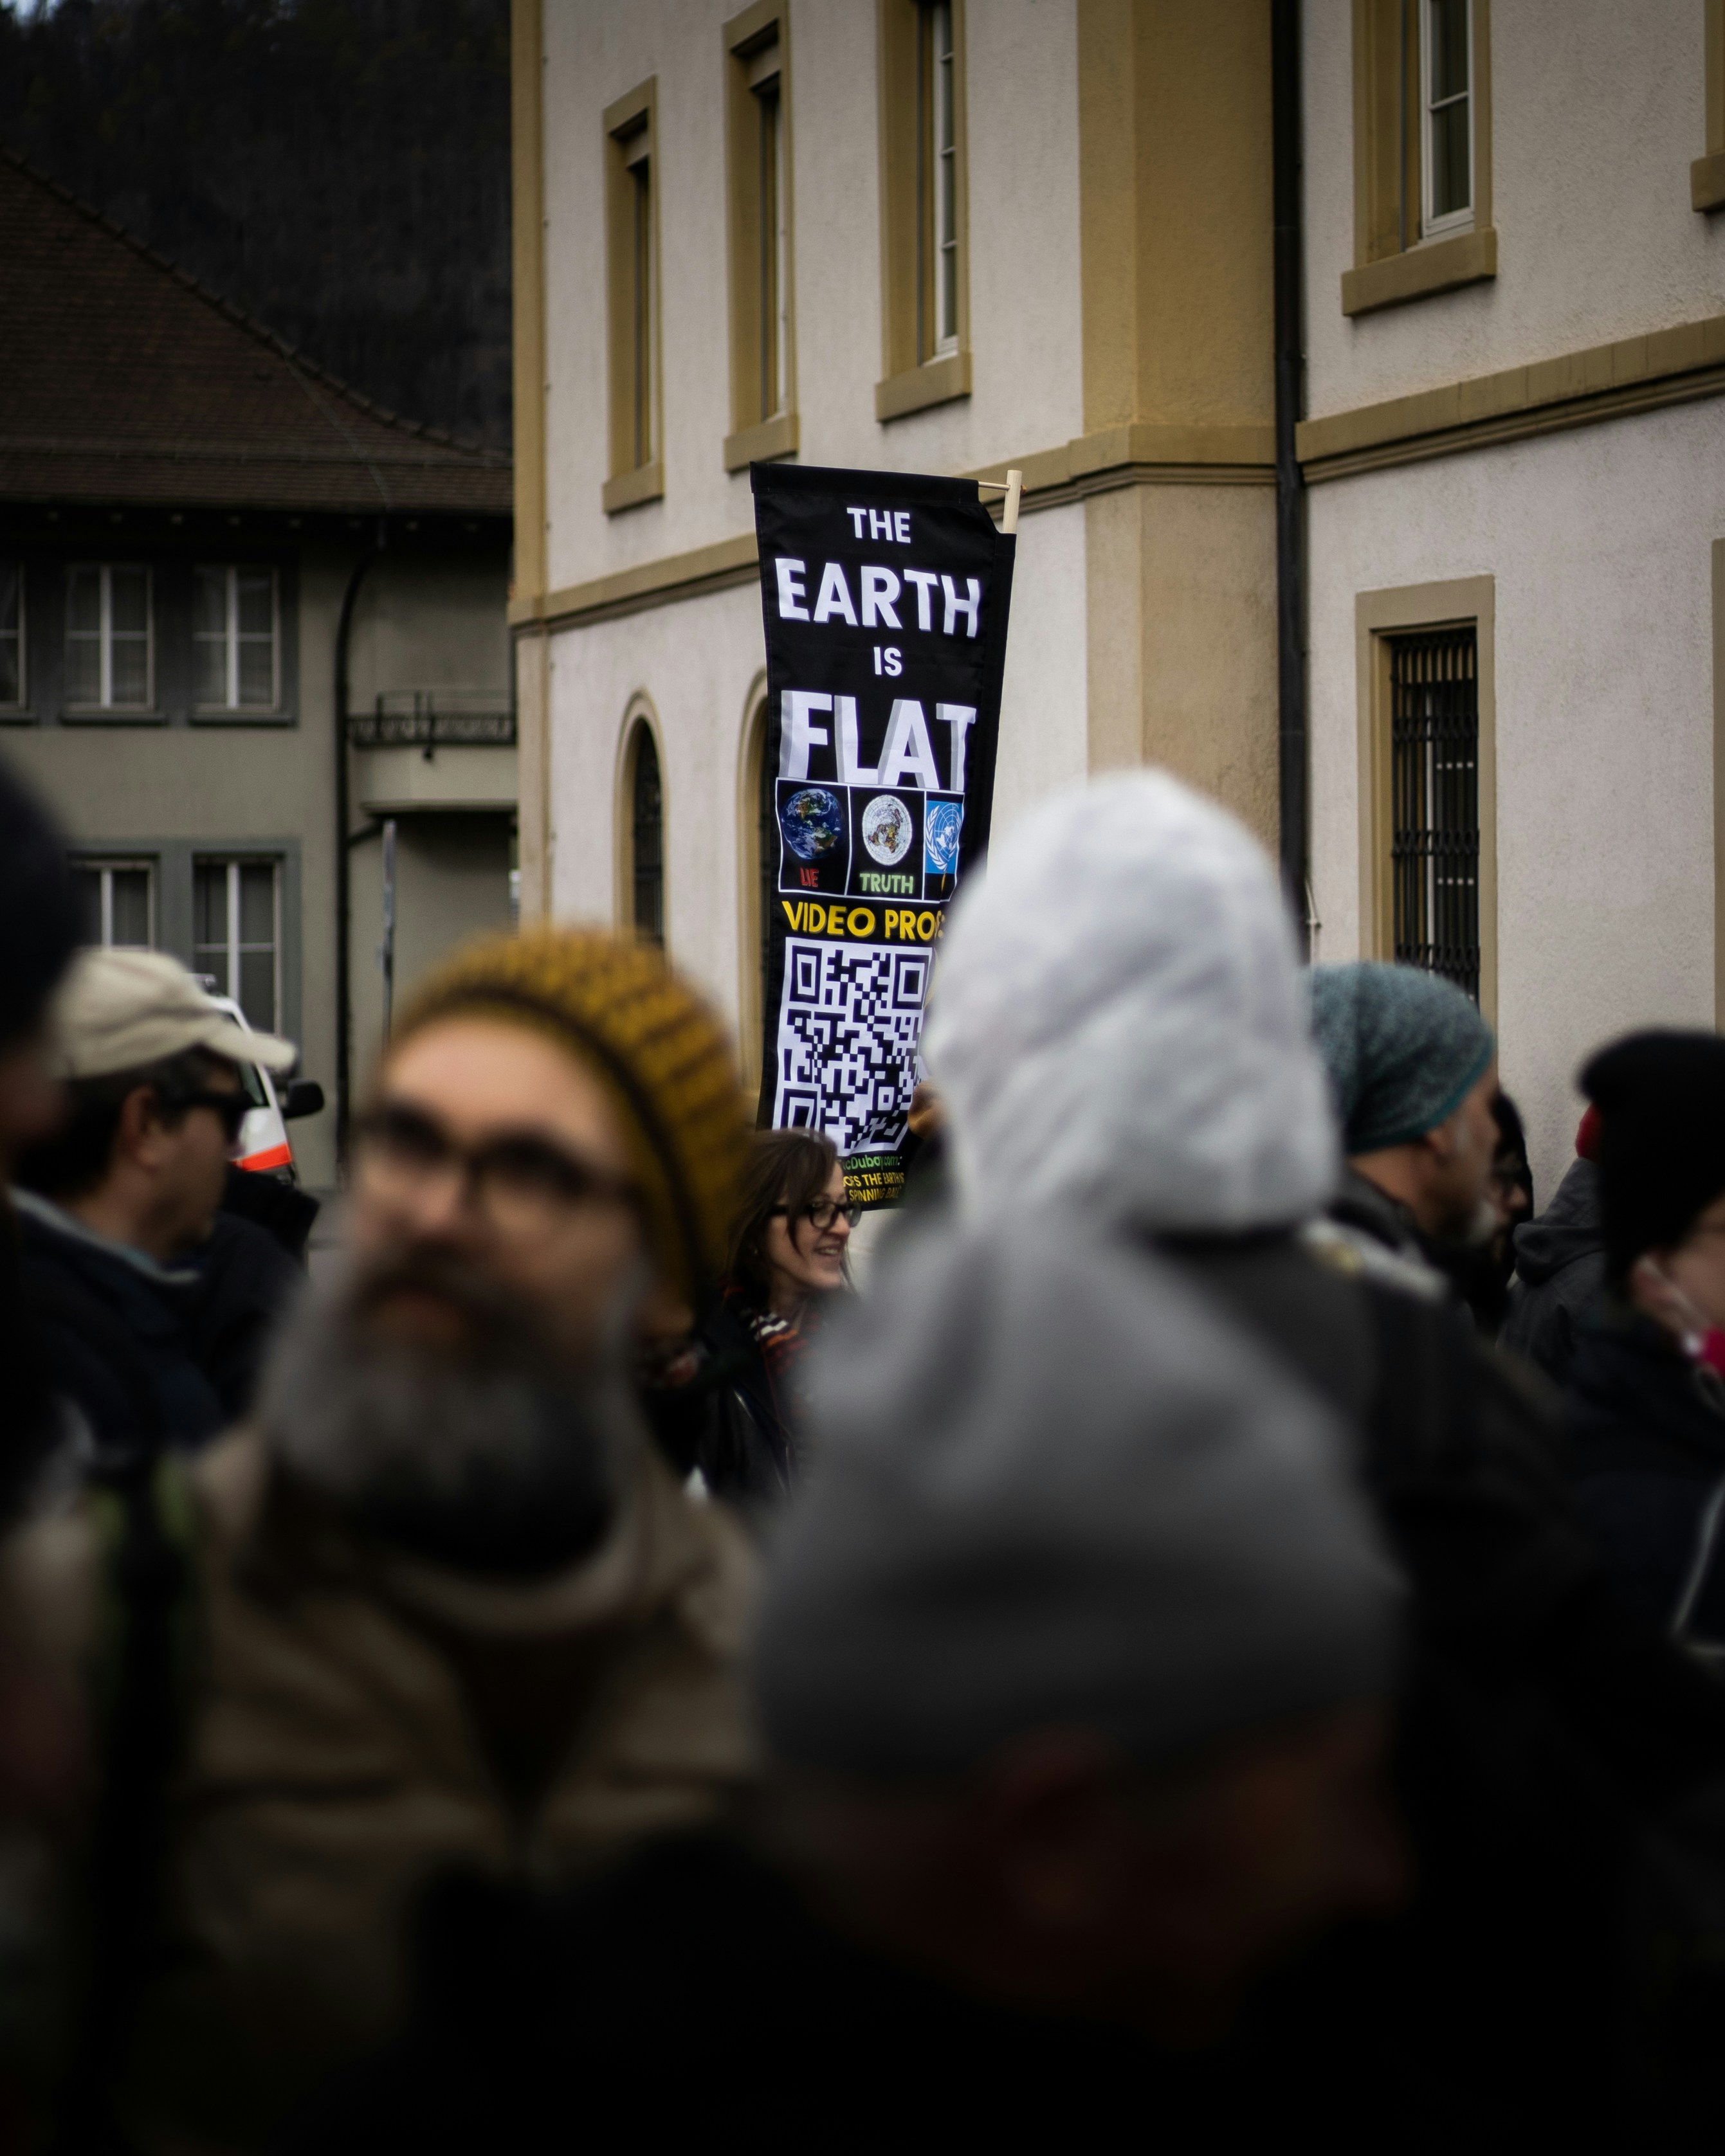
660	1052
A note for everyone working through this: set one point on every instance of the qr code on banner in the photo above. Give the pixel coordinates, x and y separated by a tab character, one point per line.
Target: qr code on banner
849	1021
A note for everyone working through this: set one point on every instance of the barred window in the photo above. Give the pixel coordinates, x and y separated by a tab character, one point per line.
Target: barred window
1434	782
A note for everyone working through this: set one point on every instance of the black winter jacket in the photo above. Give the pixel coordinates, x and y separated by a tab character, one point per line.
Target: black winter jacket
748	1451
640	1999
245	1279
1545	1728
1560	1268
1647	1437
117	1330
727	1414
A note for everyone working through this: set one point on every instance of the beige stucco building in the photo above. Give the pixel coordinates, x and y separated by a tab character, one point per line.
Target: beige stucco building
1042	232
1515	442
945	238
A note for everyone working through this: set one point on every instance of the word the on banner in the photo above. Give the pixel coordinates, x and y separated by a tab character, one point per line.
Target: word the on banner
886	600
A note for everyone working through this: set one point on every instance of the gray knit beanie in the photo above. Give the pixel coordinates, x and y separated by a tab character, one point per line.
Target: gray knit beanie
1404	1048
1051	1487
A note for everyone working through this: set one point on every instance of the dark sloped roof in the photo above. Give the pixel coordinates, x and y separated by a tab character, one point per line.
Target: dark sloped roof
122	380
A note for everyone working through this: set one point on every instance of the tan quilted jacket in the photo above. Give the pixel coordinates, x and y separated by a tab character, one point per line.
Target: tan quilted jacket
361	1722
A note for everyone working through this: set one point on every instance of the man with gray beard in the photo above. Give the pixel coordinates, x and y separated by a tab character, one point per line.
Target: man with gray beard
451	1613
473	1444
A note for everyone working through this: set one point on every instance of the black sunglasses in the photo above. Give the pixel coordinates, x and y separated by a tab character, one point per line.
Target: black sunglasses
232	1107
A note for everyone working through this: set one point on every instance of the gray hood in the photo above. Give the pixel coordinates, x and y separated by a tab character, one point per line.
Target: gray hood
1118	1023
1569	1228
1051	1487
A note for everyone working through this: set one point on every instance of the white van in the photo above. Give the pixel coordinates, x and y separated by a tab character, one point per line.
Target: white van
264	1147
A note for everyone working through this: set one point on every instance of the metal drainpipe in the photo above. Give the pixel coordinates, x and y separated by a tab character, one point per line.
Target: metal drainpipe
1290	486
344	1014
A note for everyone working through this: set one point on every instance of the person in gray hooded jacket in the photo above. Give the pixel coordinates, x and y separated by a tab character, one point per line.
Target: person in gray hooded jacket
1119	1027
1560	1266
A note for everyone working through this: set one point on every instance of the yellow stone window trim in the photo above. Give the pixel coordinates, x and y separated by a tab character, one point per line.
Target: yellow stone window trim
935	381
630	488
760	254
1707	175
1394	262
633	373
1572	389
1439	266
1101	462
925	207
759	444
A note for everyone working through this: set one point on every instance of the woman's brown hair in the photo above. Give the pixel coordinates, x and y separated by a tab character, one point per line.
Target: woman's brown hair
786	1168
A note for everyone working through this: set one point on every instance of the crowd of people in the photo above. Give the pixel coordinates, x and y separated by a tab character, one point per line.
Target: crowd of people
1218	1638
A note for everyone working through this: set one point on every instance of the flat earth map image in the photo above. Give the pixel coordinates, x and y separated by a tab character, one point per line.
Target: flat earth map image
887	829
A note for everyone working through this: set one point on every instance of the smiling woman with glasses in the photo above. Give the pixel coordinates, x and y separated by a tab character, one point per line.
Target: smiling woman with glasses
788	1257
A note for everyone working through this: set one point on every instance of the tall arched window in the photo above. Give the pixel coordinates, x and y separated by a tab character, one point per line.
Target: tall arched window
646	838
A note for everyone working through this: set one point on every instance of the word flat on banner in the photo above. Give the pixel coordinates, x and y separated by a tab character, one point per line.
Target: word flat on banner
886	600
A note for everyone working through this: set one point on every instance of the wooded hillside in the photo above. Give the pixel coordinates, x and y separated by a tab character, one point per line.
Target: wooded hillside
339	168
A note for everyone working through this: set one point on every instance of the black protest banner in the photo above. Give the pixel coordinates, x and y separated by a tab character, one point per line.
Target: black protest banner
886	600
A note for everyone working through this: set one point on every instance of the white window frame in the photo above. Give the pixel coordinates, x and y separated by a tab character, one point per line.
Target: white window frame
232	864
107	867
105	636
943	161
22	700
232	572
1457	220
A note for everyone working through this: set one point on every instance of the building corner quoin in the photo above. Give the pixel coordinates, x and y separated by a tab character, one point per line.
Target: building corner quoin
1180	636
533	827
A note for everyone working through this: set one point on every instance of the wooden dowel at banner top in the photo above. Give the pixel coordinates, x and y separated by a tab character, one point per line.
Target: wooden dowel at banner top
1015	487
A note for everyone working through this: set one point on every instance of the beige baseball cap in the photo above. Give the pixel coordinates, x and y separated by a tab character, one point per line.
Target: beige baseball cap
117	1010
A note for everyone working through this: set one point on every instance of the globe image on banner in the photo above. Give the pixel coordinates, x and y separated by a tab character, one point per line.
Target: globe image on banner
942	822
887	829
812	822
